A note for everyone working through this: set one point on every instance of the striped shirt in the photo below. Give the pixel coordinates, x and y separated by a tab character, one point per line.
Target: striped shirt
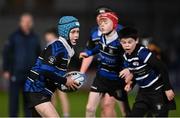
144	74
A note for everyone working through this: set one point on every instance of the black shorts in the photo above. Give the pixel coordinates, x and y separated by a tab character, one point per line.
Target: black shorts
35	98
152	100
114	88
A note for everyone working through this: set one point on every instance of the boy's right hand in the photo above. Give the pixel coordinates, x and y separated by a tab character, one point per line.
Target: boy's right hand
83	55
71	84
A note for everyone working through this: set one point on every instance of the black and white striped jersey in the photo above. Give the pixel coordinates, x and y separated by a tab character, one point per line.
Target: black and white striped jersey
145	67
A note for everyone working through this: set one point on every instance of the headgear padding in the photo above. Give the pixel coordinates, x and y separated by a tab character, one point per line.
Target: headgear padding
66	23
110	15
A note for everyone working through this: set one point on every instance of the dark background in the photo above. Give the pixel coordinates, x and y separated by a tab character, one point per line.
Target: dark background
158	19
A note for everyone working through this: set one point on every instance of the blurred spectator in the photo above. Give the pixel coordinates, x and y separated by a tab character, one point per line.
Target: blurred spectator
19	54
152	46
170	58
50	36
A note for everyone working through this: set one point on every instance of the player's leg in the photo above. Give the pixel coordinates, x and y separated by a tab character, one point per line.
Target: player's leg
163	113
159	103
124	107
121	95
27	111
93	101
108	106
141	105
149	114
46	109
53	98
35	113
64	102
138	110
40	104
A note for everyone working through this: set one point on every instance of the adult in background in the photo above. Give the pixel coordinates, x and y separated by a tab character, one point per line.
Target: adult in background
19	54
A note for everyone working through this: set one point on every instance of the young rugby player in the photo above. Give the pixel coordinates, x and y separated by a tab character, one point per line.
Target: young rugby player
47	74
107	102
50	36
155	92
107	80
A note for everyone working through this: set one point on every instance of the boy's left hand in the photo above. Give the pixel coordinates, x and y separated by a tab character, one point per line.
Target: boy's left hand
170	94
128	86
126	75
128	78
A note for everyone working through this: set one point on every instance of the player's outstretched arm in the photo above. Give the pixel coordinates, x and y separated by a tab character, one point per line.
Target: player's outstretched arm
126	75
83	55
85	64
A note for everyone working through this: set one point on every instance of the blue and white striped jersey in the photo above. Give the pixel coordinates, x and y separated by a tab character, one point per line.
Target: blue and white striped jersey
49	69
110	55
143	72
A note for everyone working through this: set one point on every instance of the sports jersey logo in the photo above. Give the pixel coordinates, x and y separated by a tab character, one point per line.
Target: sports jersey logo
135	63
103	46
110	51
159	106
52	59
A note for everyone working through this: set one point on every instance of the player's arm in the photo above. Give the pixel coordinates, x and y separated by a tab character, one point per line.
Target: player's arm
126	73
55	78
50	74
85	64
161	67
87	61
90	52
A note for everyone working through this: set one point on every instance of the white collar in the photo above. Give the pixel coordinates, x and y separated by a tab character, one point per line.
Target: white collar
67	46
99	32
110	38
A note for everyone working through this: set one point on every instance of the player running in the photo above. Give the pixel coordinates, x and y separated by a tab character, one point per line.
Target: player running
107	102
47	74
150	74
107	80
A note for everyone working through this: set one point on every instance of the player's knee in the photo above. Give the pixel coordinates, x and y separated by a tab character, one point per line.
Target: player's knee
90	109
108	112
108	106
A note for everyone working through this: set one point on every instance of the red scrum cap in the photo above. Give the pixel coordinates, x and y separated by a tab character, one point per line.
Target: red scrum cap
110	15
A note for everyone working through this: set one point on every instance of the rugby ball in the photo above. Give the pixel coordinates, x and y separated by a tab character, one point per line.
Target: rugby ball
75	75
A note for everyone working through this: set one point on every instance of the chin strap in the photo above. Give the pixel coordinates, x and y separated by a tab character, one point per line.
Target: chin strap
109	32
69	42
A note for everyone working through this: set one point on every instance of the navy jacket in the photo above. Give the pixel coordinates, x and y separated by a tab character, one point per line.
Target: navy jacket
20	52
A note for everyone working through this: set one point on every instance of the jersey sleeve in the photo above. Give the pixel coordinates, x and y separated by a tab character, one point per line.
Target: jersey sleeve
93	39
49	57
144	55
159	66
93	51
91	44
